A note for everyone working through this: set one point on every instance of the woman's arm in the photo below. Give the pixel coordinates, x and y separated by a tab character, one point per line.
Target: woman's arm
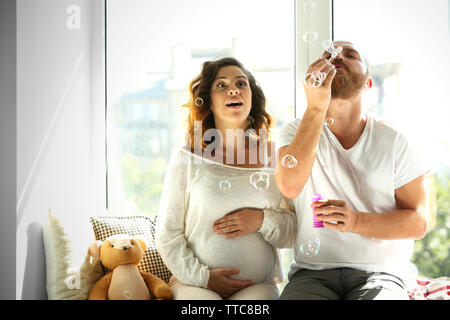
170	239
278	226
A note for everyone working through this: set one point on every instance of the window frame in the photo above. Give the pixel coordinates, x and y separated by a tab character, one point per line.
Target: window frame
319	20
98	94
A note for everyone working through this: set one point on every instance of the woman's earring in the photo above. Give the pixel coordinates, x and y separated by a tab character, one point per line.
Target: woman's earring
198	102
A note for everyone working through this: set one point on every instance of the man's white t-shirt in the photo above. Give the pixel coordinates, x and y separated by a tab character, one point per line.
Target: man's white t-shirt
365	176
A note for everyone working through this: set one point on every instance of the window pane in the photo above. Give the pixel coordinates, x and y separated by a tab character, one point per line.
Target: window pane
407	45
154	48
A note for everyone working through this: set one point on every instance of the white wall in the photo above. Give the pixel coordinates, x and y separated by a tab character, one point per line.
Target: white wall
60	128
8	148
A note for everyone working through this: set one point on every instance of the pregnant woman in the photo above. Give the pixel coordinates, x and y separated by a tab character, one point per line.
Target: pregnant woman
226	169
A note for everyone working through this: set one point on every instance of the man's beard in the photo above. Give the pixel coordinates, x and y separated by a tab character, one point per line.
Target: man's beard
347	84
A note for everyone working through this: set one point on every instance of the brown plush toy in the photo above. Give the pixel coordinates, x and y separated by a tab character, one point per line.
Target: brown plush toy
122	254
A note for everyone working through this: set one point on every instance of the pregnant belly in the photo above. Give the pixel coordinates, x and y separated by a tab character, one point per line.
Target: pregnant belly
251	254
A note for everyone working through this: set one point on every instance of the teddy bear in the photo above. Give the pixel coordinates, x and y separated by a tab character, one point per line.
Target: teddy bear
122	253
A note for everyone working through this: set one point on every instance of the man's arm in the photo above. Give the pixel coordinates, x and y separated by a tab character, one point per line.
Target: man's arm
303	147
410	221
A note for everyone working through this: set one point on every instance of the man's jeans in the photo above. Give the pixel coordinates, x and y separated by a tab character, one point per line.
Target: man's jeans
343	284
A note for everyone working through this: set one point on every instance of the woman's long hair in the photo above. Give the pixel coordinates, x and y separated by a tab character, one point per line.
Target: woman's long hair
200	87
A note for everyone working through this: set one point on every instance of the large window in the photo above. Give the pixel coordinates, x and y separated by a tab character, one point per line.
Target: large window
407	45
154	48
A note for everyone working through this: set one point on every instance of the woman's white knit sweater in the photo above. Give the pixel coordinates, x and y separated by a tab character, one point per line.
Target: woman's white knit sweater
192	201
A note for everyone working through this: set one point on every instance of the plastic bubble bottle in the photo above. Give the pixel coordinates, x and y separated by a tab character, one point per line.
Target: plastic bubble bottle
317	223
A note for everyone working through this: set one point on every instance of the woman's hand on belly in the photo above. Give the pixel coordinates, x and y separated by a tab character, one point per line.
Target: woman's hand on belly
239	223
220	283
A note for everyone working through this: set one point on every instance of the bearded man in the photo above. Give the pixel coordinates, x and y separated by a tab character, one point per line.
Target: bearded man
374	183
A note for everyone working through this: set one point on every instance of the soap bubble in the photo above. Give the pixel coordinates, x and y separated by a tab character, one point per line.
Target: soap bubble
309	6
329	121
225	186
315	79
327	44
127	294
310	248
310	36
260	180
289	161
198	102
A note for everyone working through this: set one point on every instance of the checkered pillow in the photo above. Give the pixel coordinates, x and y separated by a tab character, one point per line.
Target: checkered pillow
134	225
